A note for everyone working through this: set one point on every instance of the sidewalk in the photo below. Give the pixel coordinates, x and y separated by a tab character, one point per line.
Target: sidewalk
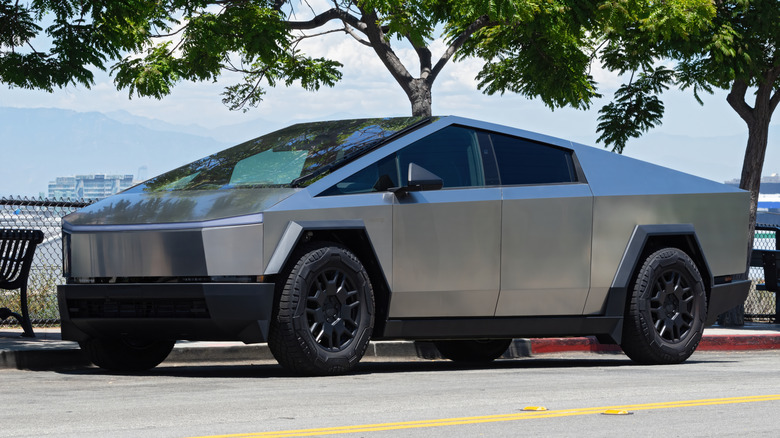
48	351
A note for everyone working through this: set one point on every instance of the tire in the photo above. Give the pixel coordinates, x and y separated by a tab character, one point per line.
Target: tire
125	355
665	315
473	350
325	314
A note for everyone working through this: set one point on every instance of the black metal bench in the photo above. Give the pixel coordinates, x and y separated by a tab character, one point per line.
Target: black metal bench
768	260
17	248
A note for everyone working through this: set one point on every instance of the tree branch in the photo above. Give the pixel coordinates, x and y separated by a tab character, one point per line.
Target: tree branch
331	14
736	98
775	99
277	5
424	54
349	30
456	44
303	36
384	51
167	35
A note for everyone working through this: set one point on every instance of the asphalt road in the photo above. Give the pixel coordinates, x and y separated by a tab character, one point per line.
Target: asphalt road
713	394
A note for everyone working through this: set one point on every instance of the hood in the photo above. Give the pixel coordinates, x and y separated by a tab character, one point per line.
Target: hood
178	206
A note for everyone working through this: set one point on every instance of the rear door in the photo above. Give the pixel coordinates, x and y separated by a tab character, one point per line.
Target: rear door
546	228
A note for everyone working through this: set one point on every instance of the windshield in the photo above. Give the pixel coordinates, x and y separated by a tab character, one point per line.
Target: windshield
291	157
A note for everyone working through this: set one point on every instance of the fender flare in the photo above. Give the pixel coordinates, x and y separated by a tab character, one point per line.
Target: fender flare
615	303
293	234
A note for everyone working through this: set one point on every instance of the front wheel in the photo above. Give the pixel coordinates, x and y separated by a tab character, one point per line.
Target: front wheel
325	313
126	355
473	350
665	316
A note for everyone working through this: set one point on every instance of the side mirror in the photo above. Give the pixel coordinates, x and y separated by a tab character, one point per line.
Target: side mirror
420	179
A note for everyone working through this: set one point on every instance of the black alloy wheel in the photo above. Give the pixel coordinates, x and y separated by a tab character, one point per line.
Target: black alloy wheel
666	310
325	315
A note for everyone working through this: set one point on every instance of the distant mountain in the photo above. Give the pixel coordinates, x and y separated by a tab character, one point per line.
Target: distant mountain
38	145
126	118
231	134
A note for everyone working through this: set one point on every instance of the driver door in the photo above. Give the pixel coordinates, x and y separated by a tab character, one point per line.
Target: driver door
446	243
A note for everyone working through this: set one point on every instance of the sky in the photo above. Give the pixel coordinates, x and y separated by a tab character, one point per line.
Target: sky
368	90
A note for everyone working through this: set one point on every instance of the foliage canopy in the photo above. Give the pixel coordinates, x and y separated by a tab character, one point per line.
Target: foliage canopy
538	48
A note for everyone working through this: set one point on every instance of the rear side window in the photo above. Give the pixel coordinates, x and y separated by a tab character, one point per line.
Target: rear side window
526	162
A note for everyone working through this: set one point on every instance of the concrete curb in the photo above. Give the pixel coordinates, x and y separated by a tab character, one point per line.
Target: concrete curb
730	342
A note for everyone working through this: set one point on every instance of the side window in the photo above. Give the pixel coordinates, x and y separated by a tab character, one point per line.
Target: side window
453	154
526	162
377	177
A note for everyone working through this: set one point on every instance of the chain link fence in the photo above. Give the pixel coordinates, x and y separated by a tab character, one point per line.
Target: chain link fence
46	272
760	305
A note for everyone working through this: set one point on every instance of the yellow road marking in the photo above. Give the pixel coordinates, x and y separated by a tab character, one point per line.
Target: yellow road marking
525	415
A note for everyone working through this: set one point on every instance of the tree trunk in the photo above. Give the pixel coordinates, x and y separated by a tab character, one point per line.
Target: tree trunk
753	164
757	119
420	98
750	180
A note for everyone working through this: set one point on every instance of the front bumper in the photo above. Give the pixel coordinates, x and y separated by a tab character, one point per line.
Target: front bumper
173	311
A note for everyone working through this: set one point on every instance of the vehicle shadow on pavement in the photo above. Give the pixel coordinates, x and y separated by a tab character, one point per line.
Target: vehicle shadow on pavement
271	370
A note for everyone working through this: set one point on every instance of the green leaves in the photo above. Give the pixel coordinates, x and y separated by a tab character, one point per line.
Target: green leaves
17	24
153	75
538	49
81	36
636	108
712	45
312	73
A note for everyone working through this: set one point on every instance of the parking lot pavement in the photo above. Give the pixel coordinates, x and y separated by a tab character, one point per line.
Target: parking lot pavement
48	351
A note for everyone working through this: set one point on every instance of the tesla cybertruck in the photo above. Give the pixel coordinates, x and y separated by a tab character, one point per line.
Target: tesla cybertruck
320	237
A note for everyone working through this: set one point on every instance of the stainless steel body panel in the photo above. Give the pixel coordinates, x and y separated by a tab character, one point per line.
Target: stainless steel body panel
233	250
375	210
630	192
214	251
545	250
137	253
132	207
446	249
718	220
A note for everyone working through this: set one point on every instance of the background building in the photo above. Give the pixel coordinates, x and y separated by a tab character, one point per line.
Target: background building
769	184
769	193
96	186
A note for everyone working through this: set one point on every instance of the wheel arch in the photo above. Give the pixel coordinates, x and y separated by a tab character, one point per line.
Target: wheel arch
353	235
645	240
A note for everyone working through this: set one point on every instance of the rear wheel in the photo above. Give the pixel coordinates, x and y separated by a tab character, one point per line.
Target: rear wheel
665	316
325	314
473	350
126	355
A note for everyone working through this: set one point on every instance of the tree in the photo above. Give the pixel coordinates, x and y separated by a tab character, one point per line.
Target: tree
539	48
738	51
